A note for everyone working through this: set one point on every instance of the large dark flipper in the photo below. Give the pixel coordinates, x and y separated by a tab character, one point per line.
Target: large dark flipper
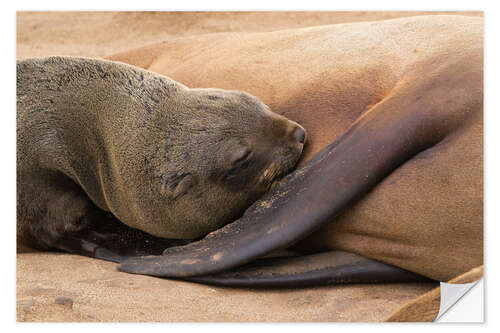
333	267
381	140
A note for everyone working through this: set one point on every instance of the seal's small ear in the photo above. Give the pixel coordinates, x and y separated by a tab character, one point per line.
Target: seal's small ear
184	185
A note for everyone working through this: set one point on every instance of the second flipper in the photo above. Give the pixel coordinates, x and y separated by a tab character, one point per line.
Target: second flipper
326	268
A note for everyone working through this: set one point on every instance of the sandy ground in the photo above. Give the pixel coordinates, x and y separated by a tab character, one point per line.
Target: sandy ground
60	287
105	33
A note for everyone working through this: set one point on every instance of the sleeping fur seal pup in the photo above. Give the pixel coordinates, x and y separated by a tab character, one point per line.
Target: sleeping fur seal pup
101	143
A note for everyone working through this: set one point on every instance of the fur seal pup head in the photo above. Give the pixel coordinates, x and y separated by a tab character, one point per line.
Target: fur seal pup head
161	157
224	154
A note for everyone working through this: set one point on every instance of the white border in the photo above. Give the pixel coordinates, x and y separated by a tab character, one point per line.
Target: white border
7	132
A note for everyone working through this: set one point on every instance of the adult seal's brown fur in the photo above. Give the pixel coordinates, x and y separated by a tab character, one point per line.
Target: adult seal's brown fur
402	102
100	142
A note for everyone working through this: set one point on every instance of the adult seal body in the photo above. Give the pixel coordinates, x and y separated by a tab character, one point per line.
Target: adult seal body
100	142
394	108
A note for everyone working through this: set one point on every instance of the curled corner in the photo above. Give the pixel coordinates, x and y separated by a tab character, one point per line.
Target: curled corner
435	304
461	302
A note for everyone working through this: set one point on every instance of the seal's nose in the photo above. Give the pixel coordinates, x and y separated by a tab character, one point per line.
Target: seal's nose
299	134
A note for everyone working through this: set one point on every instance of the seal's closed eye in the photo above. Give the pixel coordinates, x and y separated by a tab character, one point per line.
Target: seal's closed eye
240	155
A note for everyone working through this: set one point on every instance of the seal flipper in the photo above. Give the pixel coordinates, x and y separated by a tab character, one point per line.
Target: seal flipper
81	246
332	267
392	132
108	239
